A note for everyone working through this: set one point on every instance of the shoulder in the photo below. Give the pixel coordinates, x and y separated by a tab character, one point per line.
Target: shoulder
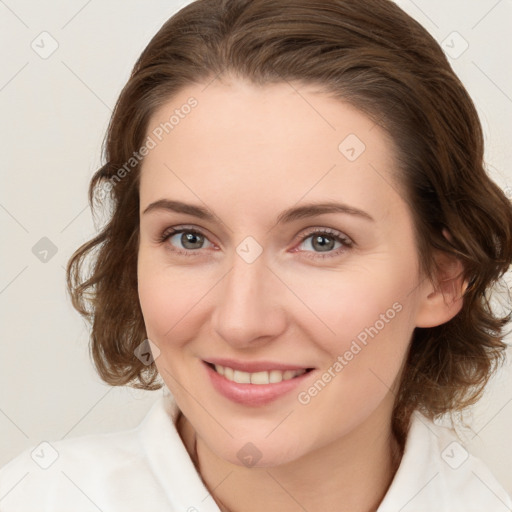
85	473
438	473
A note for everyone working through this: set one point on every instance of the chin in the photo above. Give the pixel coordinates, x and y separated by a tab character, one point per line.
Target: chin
257	453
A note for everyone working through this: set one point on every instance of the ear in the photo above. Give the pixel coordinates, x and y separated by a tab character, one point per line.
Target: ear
442	300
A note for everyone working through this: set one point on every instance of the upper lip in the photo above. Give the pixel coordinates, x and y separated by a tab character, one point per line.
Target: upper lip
254	366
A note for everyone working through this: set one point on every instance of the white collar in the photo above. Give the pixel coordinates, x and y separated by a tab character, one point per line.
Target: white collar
438	474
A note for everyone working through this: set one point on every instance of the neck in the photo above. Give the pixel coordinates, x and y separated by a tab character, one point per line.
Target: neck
352	474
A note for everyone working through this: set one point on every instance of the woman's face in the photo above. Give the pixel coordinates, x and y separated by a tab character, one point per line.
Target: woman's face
293	249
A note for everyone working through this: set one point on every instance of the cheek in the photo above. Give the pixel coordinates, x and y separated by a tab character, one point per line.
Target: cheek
167	297
367	319
372	328
347	304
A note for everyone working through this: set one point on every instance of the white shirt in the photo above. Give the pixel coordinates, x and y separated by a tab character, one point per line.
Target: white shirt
147	468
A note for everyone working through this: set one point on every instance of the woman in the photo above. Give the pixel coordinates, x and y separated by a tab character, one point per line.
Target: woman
301	246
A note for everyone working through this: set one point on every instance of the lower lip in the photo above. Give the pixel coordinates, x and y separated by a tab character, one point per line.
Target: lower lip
253	394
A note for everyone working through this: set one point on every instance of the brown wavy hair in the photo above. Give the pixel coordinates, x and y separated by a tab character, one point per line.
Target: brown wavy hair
374	56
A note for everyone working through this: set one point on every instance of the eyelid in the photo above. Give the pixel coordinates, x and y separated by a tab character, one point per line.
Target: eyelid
327	231
173	230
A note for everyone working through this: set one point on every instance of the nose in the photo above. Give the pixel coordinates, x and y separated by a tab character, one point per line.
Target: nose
249	307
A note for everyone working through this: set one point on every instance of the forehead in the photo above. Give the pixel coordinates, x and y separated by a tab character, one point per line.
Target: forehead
263	147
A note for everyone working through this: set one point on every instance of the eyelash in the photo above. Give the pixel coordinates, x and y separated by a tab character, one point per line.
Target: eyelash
336	235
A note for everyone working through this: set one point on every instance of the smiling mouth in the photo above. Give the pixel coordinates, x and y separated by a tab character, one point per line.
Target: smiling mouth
258	378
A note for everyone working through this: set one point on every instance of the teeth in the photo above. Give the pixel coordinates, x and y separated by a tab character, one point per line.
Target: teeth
275	376
242	377
270	377
259	378
229	373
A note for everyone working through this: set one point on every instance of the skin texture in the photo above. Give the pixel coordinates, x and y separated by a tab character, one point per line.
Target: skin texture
247	153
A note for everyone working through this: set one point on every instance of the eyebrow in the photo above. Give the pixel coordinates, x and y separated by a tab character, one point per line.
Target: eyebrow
289	215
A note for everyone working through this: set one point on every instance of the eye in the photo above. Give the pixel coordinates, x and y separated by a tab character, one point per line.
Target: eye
327	241
317	243
185	241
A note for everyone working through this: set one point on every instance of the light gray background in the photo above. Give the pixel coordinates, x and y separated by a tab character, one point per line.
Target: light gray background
54	113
